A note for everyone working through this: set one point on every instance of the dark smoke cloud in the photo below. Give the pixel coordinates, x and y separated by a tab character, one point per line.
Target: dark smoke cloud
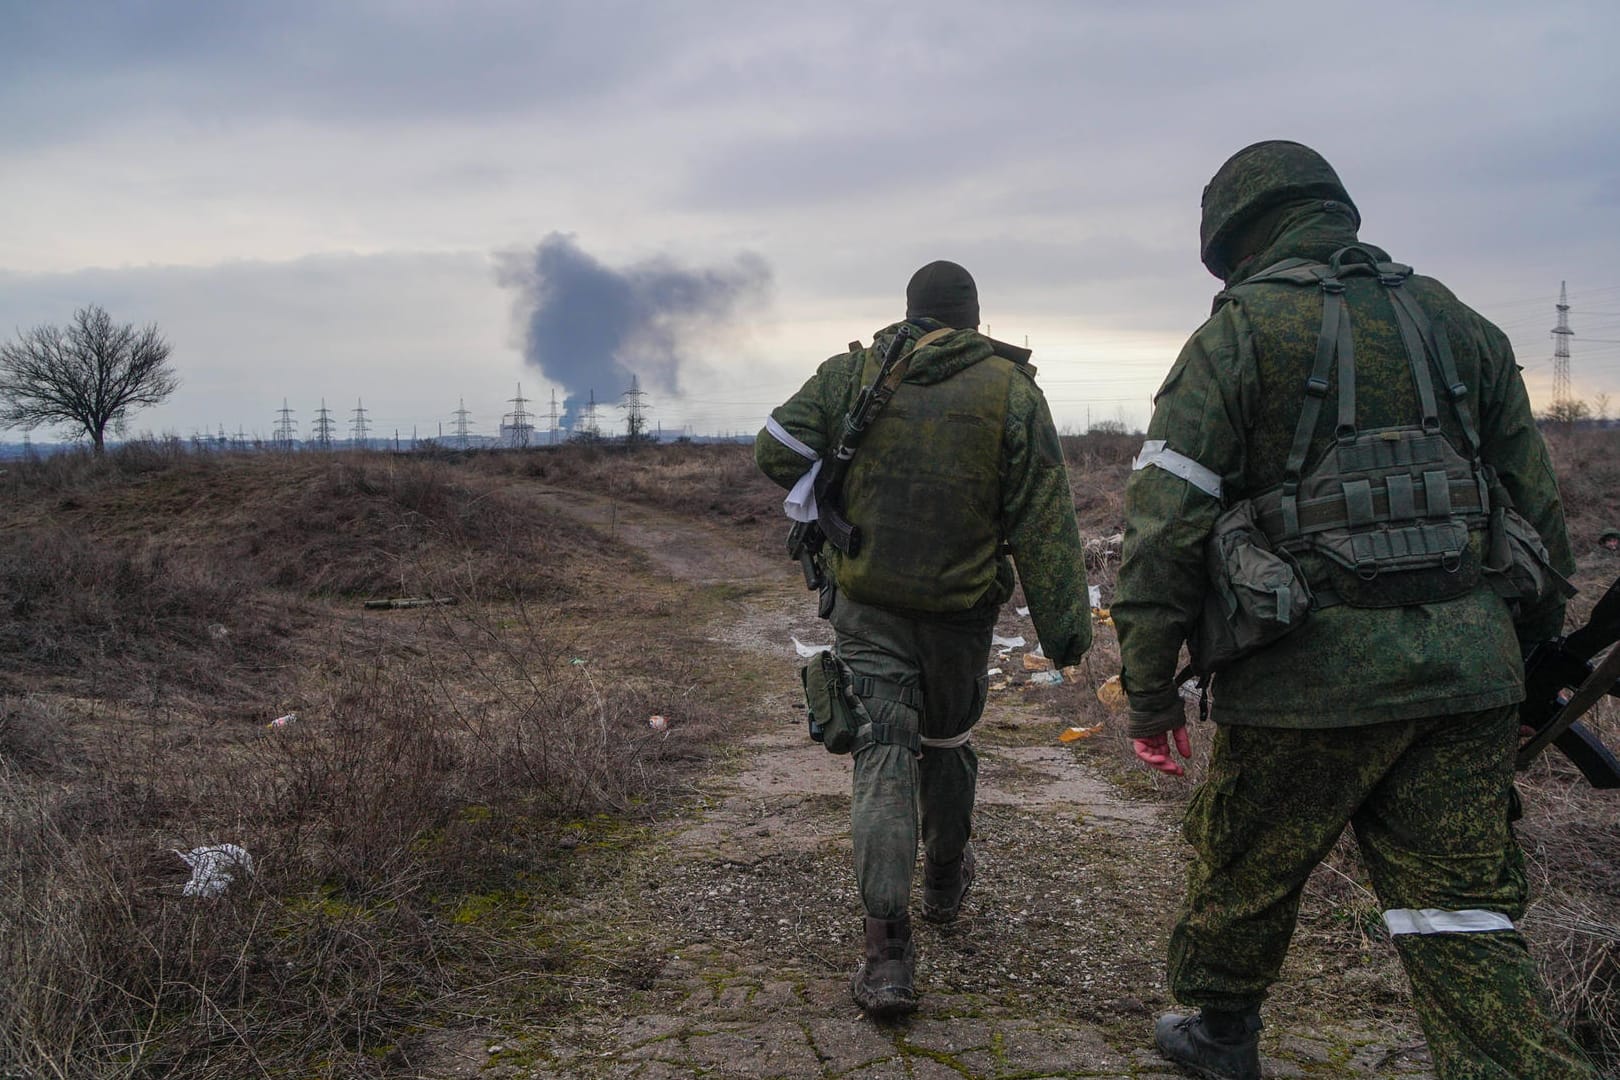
591	327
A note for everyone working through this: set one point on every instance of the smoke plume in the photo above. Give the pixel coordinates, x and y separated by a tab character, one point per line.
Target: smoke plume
591	327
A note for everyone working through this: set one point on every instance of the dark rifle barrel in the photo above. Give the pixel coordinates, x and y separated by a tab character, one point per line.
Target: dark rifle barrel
806	538
837	529
1561	666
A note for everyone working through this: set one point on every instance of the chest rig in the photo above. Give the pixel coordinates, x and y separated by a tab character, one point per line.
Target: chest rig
1393	515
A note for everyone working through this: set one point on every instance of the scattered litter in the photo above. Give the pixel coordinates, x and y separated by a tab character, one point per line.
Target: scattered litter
1024	611
283	721
1191	691
214	868
1094	594
1036	662
577	662
658	723
1072	672
807	651
218	631
1101	550
1112	693
1103	616
410	602
999	686
1007	642
1046	678
993	672
1075	734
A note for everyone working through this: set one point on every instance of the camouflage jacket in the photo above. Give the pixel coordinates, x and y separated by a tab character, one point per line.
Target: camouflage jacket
1036	510
1230	404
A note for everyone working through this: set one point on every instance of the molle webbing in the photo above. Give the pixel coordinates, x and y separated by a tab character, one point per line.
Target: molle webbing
1384	500
1361	505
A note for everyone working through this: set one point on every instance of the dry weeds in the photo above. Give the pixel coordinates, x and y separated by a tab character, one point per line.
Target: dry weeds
413	825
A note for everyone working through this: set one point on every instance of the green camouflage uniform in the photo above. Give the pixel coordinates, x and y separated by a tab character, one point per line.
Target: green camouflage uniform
1398	721
920	666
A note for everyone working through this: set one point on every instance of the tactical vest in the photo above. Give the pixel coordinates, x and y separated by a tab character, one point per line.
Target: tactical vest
1398	515
925	491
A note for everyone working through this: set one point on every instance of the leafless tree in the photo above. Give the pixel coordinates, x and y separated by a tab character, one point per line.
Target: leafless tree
87	375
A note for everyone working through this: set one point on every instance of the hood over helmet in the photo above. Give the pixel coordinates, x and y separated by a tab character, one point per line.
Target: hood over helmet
1254	180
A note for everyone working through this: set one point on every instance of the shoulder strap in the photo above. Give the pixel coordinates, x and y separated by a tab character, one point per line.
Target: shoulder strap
1421	335
1333	339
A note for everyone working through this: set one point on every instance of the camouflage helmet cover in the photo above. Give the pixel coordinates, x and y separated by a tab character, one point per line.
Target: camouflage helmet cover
1255	179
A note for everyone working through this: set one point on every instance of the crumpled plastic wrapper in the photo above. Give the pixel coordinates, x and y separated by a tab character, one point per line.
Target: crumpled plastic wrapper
213	868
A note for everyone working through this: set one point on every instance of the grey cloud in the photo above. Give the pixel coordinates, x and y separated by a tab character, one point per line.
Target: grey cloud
74	67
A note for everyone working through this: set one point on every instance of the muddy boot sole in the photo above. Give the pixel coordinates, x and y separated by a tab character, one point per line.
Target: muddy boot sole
885	999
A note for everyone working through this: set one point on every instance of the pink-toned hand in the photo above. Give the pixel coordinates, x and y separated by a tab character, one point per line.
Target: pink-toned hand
1155	750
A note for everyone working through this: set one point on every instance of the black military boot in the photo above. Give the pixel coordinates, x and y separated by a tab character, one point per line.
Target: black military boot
1214	1044
945	886
882	985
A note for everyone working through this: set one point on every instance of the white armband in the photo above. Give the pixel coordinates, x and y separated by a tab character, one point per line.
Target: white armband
1158	452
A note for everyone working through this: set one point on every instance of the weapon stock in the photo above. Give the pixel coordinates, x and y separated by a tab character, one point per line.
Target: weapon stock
1562	683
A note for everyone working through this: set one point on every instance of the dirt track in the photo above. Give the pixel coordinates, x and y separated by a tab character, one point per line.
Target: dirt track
741	925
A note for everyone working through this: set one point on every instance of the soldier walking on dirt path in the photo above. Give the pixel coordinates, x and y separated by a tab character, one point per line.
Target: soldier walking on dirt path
958	470
1354	450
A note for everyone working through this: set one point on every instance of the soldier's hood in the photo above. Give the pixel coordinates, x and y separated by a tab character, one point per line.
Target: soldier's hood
1302	230
942	357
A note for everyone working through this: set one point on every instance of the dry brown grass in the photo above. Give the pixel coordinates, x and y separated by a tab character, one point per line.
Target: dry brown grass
407	828
160	607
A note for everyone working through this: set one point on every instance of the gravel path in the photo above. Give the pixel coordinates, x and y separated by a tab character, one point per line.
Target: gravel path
742	926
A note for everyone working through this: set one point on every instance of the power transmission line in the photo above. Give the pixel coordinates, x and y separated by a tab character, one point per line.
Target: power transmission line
359	428
516	434
461	415
282	433
1561	335
635	419
323	427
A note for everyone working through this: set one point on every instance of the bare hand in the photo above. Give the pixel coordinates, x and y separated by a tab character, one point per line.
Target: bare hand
1155	750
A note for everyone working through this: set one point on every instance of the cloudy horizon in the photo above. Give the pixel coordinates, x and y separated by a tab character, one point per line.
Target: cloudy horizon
321	201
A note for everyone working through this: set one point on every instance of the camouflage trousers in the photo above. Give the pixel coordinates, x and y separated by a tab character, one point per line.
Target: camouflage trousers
921	676
1431	803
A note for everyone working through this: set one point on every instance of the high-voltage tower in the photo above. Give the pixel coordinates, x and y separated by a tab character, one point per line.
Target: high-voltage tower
1561	336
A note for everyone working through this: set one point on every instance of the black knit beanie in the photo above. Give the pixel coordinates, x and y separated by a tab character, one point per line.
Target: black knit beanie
944	291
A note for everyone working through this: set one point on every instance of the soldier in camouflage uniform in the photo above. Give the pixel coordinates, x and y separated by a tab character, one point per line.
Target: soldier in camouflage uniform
961	468
1391	707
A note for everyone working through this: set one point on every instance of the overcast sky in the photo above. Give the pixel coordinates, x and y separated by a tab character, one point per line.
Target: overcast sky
356	201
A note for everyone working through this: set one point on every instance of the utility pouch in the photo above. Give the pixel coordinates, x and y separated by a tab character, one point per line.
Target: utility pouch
832	708
1517	564
827	597
1255	595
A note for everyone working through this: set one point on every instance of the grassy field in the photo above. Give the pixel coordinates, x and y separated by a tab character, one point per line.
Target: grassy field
161	609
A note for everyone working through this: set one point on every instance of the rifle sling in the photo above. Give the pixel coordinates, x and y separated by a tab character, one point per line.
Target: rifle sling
842	535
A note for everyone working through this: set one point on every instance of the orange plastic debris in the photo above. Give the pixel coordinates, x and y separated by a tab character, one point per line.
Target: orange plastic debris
1075	734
